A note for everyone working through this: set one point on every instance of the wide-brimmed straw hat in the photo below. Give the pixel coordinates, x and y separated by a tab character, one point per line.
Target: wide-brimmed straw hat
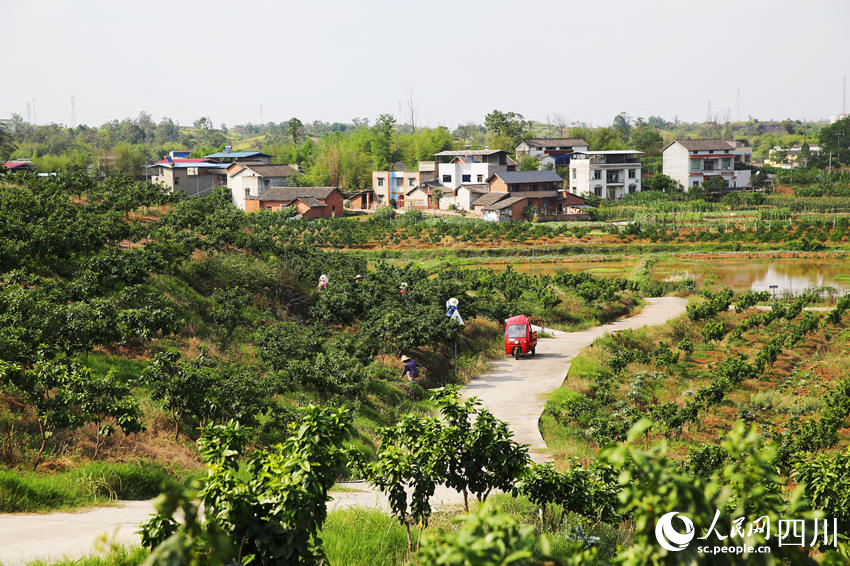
453	302
404	358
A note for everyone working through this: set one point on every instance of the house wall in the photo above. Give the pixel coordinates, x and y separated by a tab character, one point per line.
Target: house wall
581	182
395	184
416	198
457	170
675	164
465	199
357	201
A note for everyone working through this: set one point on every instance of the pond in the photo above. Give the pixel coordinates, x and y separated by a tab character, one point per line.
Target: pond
790	275
740	273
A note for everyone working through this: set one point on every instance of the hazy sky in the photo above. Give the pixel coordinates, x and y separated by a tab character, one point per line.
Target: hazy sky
334	60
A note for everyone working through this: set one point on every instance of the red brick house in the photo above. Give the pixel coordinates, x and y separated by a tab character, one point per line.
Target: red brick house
311	202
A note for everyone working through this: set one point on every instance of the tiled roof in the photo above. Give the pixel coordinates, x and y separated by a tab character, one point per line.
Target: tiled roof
476	187
490	198
513	177
502	204
265	170
703	145
555	142
311	202
469	152
286	194
238	154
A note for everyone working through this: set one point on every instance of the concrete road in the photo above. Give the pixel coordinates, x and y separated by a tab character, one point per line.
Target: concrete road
515	391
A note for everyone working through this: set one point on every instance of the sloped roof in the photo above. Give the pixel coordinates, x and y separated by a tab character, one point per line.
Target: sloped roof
476	187
513	177
490	198
274	170
703	145
469	152
555	142
572	199
285	194
238	154
539	194
502	204
311	202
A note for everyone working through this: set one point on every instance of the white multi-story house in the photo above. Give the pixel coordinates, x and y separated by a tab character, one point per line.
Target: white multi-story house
606	174
246	180
471	166
692	162
550	152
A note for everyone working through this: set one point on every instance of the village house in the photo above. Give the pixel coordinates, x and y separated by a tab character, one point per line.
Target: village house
363	200
237	156
393	184
789	158
471	166
692	162
519	181
609	174
252	179
311	202
551	153
507	208
195	177
19	165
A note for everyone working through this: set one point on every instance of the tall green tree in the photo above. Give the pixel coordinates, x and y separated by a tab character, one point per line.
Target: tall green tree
382	142
295	129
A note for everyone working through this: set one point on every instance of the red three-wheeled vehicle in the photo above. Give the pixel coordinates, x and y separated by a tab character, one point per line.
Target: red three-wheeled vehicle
520	339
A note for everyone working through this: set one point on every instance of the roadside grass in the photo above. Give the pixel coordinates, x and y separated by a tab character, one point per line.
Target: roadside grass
96	483
361	536
117	556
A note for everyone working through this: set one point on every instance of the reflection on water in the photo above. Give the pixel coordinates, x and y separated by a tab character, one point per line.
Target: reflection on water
790	275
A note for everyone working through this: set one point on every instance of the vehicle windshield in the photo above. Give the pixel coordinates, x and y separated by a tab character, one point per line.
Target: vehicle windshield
516	331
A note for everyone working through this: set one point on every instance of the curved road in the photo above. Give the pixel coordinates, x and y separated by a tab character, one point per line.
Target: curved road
514	390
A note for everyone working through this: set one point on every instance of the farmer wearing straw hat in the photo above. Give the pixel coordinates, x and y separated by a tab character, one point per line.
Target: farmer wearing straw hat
410	368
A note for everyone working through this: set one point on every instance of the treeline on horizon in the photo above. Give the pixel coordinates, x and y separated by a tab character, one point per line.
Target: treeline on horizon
345	154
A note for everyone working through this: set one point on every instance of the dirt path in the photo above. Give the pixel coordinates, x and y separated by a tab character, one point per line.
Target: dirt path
514	391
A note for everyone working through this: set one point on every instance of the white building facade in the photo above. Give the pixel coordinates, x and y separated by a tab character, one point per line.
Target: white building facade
609	175
252	180
692	162
467	167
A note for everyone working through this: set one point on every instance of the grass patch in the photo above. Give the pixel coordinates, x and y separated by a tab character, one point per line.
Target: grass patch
117	556
364	536
92	484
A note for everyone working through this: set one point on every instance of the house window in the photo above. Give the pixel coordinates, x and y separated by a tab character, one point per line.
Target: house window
465	178
597	190
380	181
631	173
597	174
399	181
247	193
411	182
695	164
266	183
480	178
632	188
726	163
176	181
447	178
283	207
574	173
696	184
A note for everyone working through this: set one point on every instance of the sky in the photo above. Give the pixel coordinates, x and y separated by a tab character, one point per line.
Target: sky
577	61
